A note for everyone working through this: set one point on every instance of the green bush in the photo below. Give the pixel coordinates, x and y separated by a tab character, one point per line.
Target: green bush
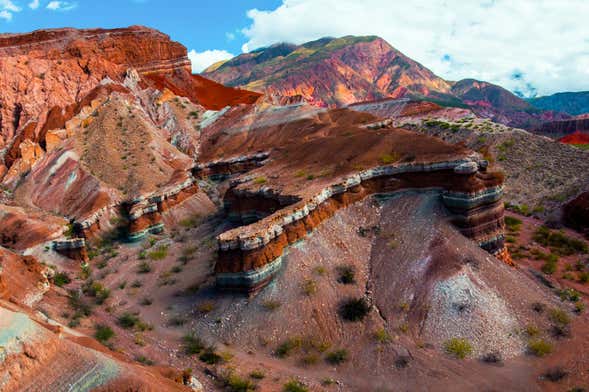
459	348
559	242
294	386
512	223
192	344
103	333
288	346
60	279
337	357
210	356
159	254
354	309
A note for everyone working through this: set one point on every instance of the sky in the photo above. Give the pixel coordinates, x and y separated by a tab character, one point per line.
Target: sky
532	47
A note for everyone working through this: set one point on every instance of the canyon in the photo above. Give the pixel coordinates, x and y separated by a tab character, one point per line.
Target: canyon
163	231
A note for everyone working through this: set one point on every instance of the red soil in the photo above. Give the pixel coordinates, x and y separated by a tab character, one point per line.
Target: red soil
211	95
576	138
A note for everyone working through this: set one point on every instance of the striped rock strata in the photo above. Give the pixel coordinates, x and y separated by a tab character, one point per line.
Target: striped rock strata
249	256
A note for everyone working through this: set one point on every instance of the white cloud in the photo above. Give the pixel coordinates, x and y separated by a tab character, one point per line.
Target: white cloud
201	60
5	15
7	9
8	5
61	5
522	45
34	4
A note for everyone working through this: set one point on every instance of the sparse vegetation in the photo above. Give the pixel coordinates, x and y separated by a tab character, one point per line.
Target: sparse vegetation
559	243
354	309
309	287
103	333
257	374
159	254
539	347
555	374
192	344
347	274
294	386
144	267
512	224
458	348
210	356
559	317
260	180
129	321
271	305
382	336
235	383
61	279
337	357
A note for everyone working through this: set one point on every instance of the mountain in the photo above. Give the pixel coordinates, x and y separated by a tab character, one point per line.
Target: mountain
331	72
336	72
159	229
573	103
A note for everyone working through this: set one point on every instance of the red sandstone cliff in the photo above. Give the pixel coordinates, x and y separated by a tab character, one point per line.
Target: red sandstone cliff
45	74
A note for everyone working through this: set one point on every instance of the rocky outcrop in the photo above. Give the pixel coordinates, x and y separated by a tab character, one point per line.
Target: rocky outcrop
564	128
74	248
221	169
46	74
250	256
576	213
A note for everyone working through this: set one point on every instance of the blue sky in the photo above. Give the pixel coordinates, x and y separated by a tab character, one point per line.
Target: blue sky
528	46
198	24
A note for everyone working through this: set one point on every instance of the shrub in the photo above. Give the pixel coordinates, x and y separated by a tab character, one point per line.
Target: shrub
144	360
310	359
386	159
294	386
288	346
539	347
128	320
579	307
159	254
347	275
558	242
235	383
309	287
192	344
206	307
569	294
382	336
513	224
555	374
549	268
96	290
337	357
271	305
103	333
459	348
60	279
319	270
560	317
210	356
260	180
354	309
257	374
532	331
146	301
144	267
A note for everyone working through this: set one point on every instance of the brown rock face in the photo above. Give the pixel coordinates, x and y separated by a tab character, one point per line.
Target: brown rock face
46	74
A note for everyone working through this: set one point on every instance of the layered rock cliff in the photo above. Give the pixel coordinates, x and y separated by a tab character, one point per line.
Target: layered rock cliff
46	74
